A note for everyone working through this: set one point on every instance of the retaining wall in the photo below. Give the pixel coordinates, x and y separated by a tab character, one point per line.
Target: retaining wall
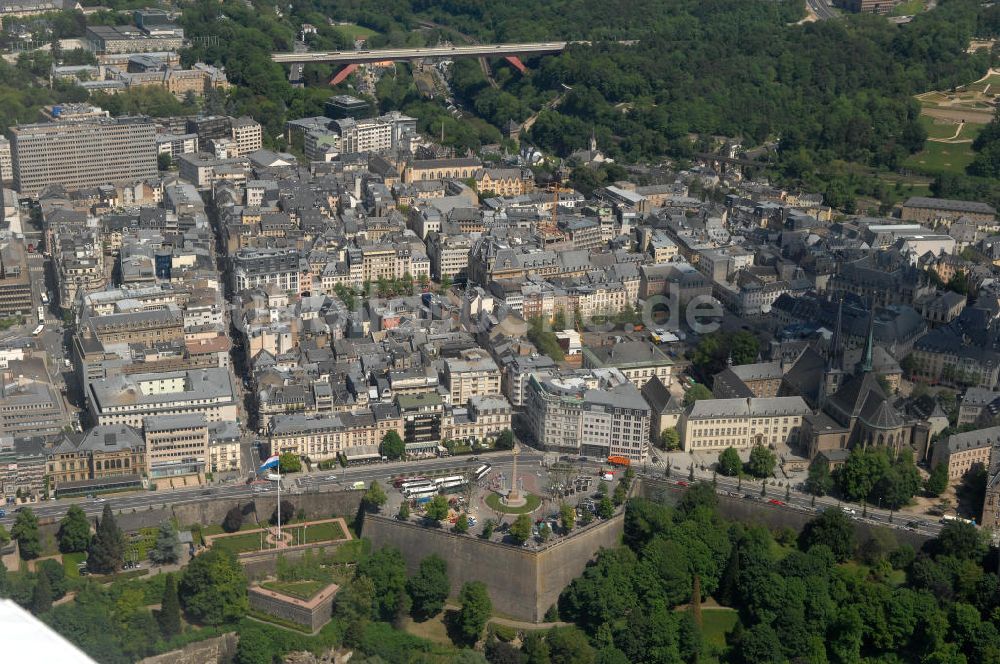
522	583
210	651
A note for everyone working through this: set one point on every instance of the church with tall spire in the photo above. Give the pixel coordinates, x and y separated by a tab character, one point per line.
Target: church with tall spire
853	408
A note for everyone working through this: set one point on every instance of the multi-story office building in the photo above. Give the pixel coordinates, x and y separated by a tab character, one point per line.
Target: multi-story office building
15	281
962	452
248	135
130	399
715	424
346	106
176	144
422	416
6	164
176	445
253	268
110	39
83	154
224	447
449	254
367	135
575	415
30	408
472	374
136	327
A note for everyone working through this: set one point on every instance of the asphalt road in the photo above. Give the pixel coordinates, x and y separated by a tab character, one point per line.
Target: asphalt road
316	481
342	478
822	9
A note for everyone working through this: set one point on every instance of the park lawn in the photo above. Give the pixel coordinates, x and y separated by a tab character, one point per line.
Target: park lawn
715	625
303	590
351	552
938	158
142	541
354	31
240	543
324	532
70	562
970	131
432	629
217	530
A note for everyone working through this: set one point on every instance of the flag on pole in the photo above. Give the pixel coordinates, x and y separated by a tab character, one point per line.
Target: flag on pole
269	463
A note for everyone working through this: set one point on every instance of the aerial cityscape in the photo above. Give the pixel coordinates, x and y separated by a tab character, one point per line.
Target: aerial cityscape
567	332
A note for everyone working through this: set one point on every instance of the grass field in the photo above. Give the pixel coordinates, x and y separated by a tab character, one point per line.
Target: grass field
432	629
323	532
941	158
938	130
715	625
217	530
303	590
533	501
352	31
351	552
908	8
71	561
240	543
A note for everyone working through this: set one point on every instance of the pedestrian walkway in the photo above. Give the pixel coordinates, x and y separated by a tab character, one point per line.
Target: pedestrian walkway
516	624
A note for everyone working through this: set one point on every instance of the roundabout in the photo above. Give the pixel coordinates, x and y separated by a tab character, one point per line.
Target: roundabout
526	503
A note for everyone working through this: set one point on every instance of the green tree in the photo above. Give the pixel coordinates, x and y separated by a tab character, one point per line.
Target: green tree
833	529
567	516
697	392
163	161
375	496
505	441
488	527
605	508
729	462
938	480
387	571
462	524
762	462
4	536
429	587
213	588
107	550
437	509
25	531
819	481
619	495
169	617
404	511
569	645
56	575
961	540
520	530
234	520
289	462
544	532
168	545
41	598
475	611
670	439
74	531
255	647
393	446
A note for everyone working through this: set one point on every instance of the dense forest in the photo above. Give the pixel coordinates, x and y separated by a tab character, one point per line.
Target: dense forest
831	594
657	79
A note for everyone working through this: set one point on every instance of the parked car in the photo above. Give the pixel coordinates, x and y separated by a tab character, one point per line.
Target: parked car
775	501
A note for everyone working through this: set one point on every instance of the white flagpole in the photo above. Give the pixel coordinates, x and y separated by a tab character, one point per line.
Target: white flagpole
279	498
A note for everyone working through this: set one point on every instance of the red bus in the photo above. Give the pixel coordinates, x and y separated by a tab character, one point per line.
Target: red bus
621	461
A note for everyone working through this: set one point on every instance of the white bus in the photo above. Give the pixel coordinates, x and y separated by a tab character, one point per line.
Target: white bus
423	494
38	330
409	487
483	471
947	517
448	484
